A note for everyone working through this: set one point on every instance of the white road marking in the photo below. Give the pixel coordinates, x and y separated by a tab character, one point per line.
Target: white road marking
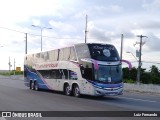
138	99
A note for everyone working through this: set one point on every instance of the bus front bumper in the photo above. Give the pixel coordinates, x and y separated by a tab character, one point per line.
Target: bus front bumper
109	91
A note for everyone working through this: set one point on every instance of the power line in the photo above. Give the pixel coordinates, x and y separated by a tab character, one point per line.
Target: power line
35	34
48	36
12	29
39	35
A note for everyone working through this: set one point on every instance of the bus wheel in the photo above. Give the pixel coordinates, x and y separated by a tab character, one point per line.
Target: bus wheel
67	90
36	86
32	85
76	91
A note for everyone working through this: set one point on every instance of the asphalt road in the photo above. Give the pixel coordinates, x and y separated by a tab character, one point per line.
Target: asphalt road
14	96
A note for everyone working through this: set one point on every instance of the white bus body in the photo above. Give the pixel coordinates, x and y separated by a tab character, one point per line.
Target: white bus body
90	69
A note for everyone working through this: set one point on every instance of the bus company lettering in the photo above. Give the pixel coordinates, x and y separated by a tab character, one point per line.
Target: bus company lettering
46	65
103	47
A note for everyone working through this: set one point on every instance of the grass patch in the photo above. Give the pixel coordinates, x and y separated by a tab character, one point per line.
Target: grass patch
12	73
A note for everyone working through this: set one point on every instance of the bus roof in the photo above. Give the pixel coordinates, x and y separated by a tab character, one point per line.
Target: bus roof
77	44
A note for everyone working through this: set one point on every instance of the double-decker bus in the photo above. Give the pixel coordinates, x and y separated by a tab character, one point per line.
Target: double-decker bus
87	68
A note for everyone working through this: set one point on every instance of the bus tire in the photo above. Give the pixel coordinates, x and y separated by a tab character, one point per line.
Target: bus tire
76	91
67	90
36	86
32	85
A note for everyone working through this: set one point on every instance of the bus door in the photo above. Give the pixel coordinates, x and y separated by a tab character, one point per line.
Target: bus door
53	80
61	75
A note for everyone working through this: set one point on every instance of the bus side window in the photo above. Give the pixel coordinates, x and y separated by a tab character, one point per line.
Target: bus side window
53	74
59	74
64	54
72	75
87	73
72	54
61	54
64	74
53	55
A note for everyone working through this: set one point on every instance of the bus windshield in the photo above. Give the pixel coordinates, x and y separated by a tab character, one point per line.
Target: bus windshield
108	74
104	52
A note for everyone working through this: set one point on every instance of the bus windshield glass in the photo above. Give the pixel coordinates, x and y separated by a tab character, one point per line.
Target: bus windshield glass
104	52
108	74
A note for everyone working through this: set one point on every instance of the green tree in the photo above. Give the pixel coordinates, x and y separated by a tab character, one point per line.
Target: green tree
125	73
155	74
151	77
146	78
129	75
133	74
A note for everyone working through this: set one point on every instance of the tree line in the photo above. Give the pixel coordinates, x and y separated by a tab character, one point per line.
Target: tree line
147	77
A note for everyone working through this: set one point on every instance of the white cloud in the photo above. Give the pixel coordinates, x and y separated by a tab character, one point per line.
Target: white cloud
22	10
153	6
153	42
81	14
106	19
62	26
115	8
36	22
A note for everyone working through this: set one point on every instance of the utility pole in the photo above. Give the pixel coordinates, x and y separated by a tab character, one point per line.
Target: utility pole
9	63
140	54
121	46
26	44
86	30
14	66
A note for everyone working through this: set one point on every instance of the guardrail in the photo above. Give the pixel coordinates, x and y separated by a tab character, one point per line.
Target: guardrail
149	88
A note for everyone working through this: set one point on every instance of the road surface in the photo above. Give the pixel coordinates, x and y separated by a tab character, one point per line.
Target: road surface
14	96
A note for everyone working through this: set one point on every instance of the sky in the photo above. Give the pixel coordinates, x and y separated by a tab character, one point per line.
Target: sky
107	20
